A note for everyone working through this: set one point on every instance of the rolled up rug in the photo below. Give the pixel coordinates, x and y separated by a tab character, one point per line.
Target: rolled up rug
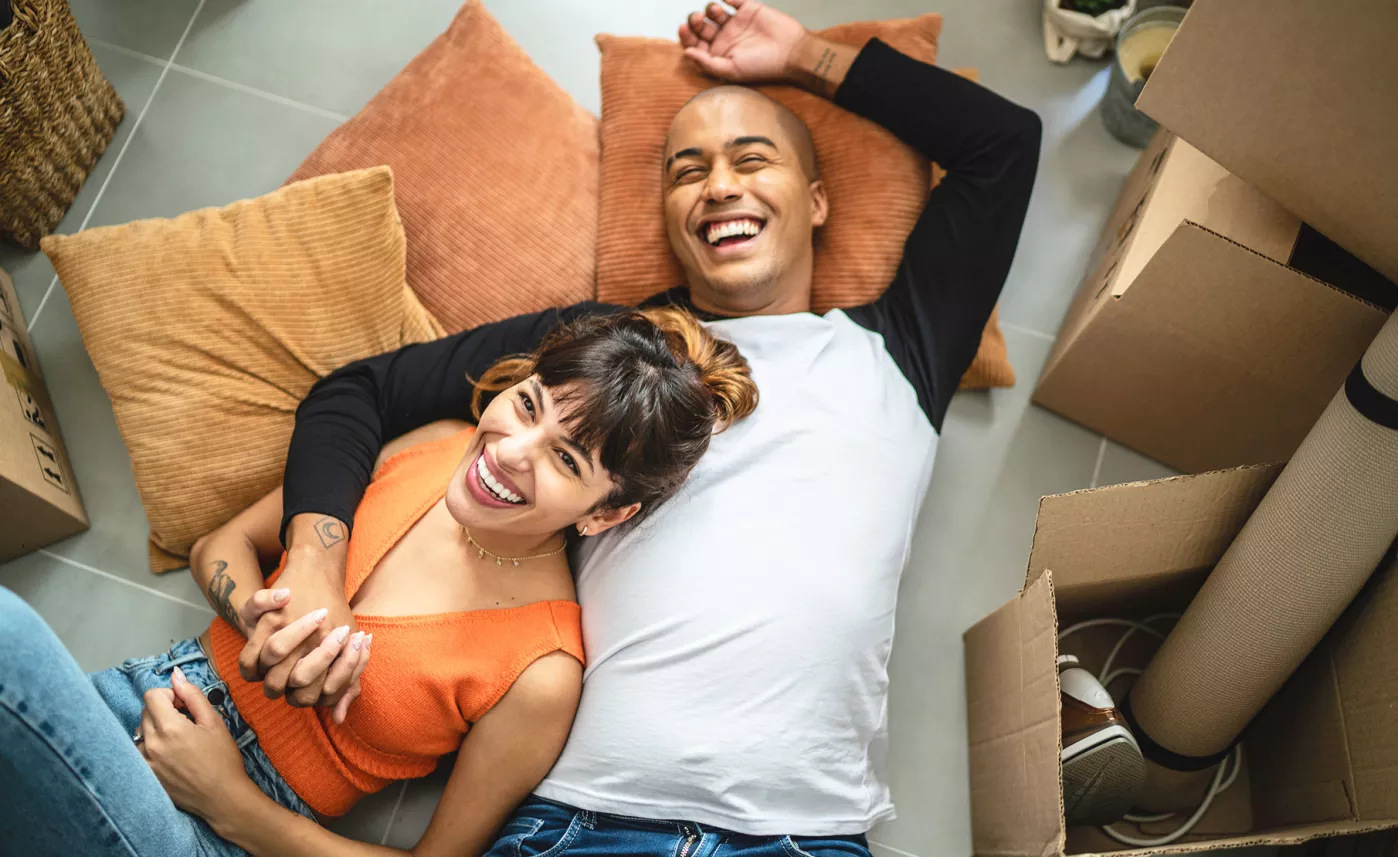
1297	563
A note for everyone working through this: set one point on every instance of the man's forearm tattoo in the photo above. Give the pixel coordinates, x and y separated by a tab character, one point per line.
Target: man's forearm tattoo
331	531
826	61
221	588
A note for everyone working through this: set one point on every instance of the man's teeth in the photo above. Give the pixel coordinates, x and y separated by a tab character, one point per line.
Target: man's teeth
493	485
714	232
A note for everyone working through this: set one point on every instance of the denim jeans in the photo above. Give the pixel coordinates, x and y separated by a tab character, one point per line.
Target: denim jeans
543	828
71	780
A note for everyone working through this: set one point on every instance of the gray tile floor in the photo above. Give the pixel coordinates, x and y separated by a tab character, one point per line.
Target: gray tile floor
224	99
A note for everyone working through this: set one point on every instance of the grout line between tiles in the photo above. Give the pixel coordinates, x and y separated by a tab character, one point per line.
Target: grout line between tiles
120	154
899	851
112	46
1027	331
393	816
222	81
133	584
1097	468
260	93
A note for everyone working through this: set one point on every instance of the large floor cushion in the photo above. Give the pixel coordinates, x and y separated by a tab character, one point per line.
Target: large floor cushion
876	185
208	329
496	170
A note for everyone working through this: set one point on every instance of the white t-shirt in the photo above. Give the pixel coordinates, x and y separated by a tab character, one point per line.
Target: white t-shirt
738	638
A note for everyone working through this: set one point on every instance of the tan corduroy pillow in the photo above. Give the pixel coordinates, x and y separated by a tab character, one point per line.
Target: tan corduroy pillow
496	170
208	329
876	184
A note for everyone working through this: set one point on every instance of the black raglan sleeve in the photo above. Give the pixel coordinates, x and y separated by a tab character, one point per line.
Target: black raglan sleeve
351	413
957	257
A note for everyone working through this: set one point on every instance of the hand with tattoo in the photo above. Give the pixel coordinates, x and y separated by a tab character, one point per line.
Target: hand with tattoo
314	573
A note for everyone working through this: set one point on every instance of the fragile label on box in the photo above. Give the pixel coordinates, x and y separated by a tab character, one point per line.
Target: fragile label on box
18	379
49	464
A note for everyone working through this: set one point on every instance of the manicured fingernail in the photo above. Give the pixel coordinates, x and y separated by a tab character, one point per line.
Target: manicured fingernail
357	641
318	616
341	633
368	638
281	594
177	676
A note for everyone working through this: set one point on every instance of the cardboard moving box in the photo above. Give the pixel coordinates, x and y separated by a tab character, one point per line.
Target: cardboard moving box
39	501
1320	760
1299	99
1202	335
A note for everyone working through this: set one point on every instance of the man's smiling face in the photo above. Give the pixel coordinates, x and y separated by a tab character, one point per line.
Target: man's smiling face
741	199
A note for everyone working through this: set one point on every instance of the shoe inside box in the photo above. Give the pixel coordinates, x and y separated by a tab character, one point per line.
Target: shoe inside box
1320	760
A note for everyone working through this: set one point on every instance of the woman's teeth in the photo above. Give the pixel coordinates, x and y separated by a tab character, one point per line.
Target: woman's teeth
493	485
716	232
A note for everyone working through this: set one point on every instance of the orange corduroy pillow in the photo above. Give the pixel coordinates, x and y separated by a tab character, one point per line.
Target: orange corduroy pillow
207	329
877	185
496	175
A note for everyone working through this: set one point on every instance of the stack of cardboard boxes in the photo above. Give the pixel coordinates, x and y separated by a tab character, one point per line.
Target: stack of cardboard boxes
39	500
1217	319
1253	251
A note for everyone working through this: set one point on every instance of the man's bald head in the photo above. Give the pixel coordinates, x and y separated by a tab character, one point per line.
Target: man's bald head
798	136
742	200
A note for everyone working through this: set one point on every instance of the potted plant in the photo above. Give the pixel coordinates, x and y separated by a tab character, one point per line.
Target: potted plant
1085	27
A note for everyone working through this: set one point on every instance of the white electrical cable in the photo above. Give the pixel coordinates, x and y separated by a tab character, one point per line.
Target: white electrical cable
1143	625
1215	788
1235	758
1223	778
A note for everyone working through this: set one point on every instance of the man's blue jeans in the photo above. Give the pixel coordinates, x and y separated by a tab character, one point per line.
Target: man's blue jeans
71	780
543	828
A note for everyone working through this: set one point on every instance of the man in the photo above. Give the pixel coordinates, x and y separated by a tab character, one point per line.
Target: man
737	640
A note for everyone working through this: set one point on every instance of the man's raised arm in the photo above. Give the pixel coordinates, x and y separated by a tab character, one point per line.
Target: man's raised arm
344	421
958	255
351	413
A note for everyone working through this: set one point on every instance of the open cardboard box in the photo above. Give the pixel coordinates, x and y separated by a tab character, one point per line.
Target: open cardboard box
1298	99
1203	335
1320	760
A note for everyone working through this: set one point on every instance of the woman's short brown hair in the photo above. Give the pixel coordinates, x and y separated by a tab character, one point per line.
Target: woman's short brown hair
646	389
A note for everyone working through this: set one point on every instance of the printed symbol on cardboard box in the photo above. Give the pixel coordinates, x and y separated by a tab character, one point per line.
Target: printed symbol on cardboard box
6	310
11	346
29	406
49	464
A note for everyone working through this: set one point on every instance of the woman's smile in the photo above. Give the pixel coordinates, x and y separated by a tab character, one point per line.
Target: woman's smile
489	487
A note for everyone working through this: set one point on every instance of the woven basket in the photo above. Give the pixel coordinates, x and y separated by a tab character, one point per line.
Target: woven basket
57	115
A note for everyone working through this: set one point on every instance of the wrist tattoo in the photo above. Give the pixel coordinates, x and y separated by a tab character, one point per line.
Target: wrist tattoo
331	531
220	590
826	61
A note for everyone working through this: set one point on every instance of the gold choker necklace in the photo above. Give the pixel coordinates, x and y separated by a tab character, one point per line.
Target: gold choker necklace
500	560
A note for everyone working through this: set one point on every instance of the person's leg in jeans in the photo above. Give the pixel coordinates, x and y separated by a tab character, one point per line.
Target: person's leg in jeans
545	828
71	780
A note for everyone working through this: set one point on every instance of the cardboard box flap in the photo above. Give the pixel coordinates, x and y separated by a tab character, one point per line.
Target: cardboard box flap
1105	541
1190	188
1012	723
1294	108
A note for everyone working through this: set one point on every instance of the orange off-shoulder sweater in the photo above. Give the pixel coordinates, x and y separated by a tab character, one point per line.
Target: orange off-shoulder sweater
429	677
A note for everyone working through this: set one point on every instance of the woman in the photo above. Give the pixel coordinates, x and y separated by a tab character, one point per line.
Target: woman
459	584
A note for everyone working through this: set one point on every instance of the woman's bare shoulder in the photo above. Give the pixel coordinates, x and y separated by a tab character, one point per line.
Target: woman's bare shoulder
423	434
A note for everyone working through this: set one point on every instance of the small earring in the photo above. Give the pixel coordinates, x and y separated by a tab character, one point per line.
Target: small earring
582	531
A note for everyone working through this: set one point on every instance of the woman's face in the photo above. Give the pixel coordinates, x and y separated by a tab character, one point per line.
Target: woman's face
524	475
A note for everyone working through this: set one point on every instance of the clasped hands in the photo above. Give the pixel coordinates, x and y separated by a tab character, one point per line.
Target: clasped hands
303	642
